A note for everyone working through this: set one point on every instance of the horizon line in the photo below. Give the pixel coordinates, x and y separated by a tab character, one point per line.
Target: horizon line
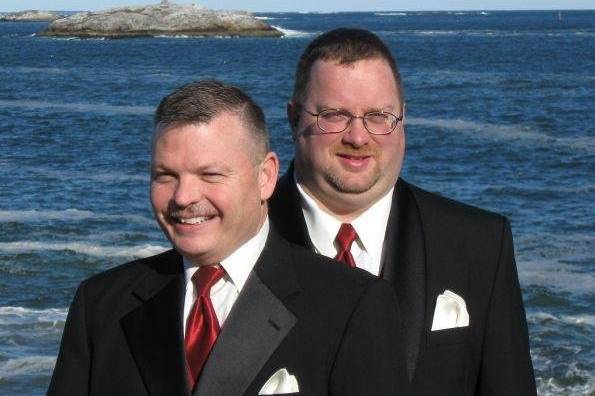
326	11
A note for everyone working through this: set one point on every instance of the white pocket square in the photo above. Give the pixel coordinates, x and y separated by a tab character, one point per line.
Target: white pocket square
450	312
280	383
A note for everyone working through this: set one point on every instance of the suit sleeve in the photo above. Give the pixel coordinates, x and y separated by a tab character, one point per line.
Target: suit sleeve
71	373
506	367
370	359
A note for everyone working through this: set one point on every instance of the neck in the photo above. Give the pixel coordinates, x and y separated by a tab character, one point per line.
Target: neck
344	210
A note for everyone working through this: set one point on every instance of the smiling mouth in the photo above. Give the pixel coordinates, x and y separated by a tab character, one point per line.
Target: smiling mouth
193	220
353	157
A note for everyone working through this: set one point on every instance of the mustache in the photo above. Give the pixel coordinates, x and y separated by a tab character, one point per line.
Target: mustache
346	149
198	209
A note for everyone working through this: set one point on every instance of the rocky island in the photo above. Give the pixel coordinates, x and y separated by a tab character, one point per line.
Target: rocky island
164	19
30	16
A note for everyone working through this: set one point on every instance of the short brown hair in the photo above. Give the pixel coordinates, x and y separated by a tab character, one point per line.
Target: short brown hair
201	101
346	46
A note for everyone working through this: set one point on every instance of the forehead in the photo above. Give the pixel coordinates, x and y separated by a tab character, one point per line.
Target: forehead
224	136
369	82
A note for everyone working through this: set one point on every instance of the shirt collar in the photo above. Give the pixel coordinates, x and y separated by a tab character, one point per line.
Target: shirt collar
323	227
371	225
239	264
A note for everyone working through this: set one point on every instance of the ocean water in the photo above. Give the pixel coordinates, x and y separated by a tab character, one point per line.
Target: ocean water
500	115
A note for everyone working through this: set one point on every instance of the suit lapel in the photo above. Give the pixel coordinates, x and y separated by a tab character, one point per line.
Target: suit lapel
153	330
405	266
286	211
256	325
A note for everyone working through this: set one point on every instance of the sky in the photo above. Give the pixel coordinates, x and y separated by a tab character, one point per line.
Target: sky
310	5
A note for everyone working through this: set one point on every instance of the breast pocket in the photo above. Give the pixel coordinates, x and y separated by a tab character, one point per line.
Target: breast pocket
446	362
457	335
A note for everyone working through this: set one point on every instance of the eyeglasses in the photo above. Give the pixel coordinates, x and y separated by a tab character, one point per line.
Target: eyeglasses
337	120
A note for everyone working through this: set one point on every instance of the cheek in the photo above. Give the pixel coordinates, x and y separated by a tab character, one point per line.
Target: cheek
390	149
317	150
160	196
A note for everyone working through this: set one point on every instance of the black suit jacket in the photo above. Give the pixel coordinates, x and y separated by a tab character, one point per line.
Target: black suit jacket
433	244
326	324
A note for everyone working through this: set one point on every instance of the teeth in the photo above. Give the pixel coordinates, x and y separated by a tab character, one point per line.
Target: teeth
194	220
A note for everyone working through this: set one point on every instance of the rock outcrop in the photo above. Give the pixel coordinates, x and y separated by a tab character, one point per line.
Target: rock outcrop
164	19
30	16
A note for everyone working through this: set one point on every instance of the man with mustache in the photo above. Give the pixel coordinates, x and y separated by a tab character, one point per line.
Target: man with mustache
452	265
233	309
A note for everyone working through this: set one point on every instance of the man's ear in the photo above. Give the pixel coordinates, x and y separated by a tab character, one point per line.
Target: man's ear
268	175
293	116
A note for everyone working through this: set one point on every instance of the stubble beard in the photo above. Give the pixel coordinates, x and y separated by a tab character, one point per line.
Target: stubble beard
340	183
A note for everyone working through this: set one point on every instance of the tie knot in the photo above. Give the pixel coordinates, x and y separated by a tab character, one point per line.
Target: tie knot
346	236
206	277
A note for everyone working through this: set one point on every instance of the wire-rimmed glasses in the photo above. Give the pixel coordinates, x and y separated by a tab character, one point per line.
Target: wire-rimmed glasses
337	120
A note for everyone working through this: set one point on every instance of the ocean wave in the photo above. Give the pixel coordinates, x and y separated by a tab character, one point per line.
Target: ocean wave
390	13
492	33
29	104
34	70
69	38
551	386
523	187
553	274
575	320
178	36
67	215
138	251
21	315
289	33
37	364
510	133
97	175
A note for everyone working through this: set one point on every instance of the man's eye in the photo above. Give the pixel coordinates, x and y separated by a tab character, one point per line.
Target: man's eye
212	176
334	116
161	177
377	118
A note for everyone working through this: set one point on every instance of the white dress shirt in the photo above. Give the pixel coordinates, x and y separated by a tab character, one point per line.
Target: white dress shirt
370	227
237	269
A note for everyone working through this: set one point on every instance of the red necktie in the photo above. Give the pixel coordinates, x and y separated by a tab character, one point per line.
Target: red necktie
202	326
344	240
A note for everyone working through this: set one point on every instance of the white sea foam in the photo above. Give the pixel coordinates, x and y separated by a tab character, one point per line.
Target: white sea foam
29	104
37	70
435	32
107	176
550	386
39	215
21	315
390	13
510	133
67	215
86	248
289	33
555	275
27	365
182	36
576	320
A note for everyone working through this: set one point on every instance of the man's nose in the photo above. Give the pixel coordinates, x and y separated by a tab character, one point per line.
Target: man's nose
356	134
187	192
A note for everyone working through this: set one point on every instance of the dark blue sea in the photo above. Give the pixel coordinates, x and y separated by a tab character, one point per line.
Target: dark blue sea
500	112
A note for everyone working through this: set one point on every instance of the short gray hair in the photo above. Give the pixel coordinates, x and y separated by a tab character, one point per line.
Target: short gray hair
201	101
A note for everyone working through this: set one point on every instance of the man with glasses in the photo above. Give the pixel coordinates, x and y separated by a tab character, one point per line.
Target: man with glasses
452	265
